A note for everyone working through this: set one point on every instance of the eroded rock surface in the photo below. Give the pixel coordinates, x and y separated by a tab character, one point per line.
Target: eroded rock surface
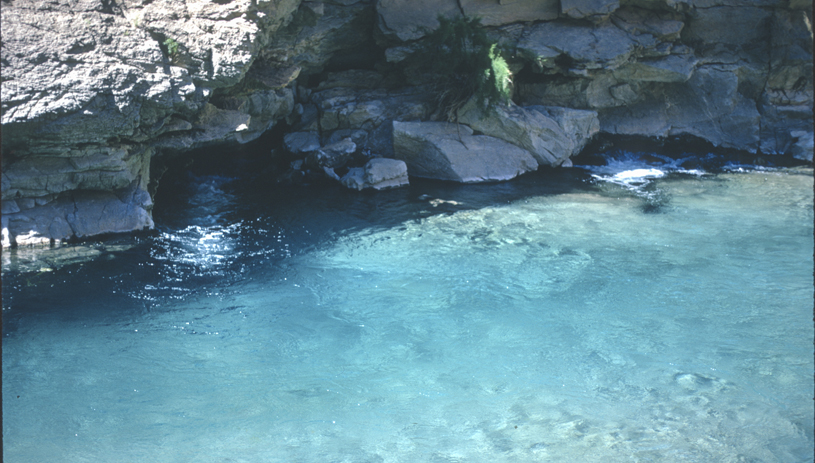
95	92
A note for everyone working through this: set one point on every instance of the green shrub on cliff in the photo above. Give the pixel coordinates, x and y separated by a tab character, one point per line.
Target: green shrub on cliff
461	62
171	47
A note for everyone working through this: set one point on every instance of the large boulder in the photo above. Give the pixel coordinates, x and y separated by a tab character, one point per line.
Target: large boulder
579	126
551	140
803	145
446	151
378	173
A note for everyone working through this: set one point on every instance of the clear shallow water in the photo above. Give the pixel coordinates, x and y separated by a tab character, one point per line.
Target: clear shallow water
560	317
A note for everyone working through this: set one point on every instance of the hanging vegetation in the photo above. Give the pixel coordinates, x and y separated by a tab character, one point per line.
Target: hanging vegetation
461	62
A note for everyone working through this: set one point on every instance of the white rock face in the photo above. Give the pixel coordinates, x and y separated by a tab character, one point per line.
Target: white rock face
446	151
93	89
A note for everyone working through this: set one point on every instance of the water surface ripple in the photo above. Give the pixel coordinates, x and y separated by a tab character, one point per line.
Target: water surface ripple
595	316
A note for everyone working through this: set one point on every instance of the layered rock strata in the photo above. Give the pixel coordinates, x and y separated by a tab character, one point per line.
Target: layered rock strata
96	93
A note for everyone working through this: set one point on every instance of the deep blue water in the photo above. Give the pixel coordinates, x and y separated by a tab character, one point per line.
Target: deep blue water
630	312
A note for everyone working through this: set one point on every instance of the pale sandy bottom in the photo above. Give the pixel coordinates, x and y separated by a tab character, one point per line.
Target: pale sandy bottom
574	327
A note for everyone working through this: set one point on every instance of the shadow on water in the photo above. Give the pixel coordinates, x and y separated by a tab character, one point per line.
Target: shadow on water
220	213
257	314
242	187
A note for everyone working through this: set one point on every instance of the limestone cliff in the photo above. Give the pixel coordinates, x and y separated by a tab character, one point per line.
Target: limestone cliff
94	92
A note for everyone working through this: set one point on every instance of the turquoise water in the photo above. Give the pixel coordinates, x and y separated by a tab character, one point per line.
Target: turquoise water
629	315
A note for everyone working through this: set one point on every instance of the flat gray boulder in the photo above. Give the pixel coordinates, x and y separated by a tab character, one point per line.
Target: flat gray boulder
445	151
379	174
550	136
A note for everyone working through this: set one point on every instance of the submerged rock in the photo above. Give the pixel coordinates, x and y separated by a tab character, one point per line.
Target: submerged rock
446	151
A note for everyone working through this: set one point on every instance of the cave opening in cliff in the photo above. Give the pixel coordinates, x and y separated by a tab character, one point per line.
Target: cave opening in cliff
260	161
